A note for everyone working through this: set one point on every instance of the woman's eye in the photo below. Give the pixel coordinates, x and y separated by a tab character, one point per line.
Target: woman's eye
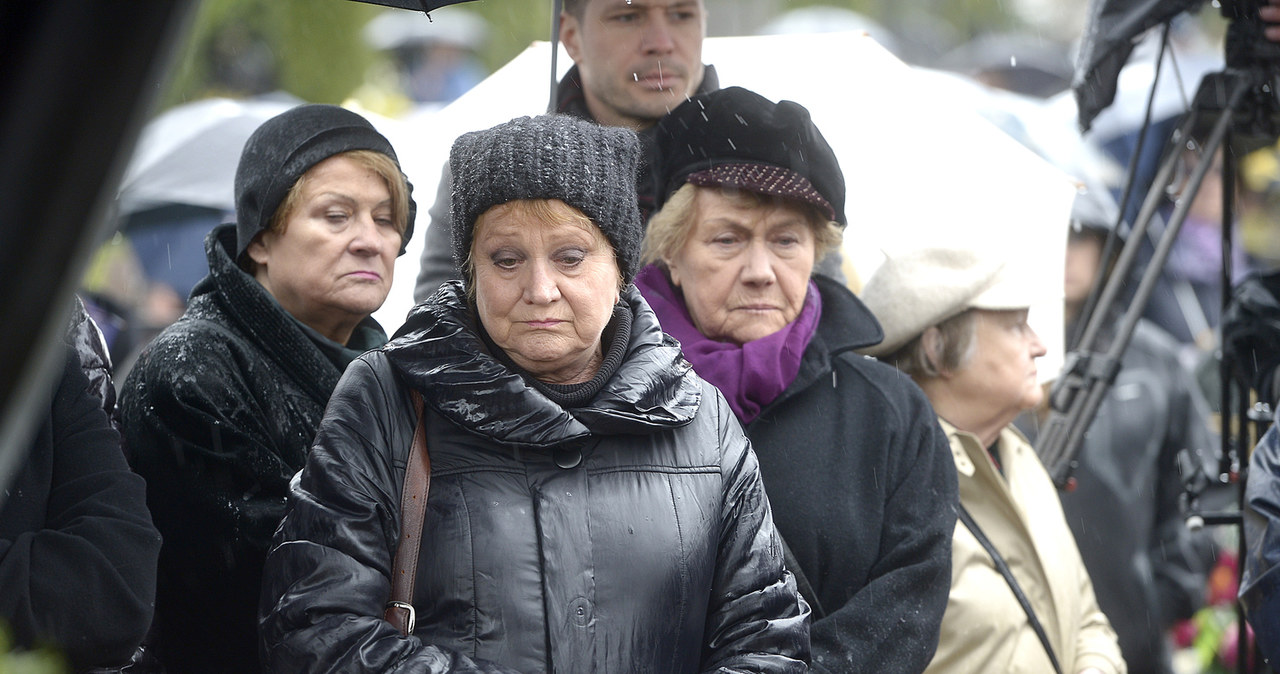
505	262
570	258
335	216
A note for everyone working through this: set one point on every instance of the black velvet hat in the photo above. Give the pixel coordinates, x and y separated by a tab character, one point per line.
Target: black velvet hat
287	146
737	138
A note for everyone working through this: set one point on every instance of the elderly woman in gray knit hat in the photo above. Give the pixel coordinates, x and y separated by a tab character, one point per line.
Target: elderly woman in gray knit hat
592	505
220	409
955	319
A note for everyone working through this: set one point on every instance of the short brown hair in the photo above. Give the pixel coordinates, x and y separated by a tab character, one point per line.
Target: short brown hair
385	167
670	227
956	339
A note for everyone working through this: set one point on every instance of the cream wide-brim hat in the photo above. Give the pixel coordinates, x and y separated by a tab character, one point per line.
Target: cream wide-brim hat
914	290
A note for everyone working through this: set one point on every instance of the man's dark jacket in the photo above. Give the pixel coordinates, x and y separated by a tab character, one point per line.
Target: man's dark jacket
862	485
218	414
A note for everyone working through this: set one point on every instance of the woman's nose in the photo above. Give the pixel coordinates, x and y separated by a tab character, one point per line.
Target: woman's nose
540	285
368	237
758	266
1037	346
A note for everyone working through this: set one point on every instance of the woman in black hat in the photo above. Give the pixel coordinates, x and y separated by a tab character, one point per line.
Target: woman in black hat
220	410
592	504
856	466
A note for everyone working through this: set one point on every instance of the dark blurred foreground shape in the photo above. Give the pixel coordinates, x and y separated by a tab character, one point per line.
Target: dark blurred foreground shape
78	80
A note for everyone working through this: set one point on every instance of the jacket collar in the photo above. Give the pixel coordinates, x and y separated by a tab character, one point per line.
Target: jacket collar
846	322
273	330
439	352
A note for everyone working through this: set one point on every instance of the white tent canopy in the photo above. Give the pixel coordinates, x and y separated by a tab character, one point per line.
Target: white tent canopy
920	169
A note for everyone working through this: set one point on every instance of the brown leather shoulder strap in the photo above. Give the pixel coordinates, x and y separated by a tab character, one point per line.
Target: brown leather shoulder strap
413	508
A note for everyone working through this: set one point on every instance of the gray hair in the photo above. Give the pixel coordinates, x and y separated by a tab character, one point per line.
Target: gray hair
953	350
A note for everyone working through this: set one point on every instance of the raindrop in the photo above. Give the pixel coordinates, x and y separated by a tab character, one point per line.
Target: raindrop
635	76
1013	61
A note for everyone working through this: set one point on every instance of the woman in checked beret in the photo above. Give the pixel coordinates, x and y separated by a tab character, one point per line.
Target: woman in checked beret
593	504
857	469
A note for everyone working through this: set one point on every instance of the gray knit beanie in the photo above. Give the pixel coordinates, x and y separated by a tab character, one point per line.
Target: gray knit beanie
287	146
587	166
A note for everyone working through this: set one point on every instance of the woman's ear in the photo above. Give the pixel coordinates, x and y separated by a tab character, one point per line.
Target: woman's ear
672	271
931	342
257	249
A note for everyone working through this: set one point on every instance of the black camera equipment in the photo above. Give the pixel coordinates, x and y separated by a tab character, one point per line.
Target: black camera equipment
1239	109
1234	111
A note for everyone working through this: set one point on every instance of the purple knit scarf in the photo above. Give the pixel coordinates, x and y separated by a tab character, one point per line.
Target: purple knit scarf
750	375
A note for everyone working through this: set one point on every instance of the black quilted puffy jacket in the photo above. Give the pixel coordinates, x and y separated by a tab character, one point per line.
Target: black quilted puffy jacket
631	534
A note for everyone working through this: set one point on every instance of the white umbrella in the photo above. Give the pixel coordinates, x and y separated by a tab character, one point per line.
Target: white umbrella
919	168
188	154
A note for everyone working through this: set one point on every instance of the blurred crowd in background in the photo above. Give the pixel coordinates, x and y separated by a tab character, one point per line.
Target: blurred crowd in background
405	65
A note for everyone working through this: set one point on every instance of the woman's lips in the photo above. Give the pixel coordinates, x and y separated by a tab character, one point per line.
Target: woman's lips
366	275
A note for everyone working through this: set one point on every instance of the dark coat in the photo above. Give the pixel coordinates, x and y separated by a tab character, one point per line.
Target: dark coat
861	478
1148	569
1260	583
631	534
77	547
218	415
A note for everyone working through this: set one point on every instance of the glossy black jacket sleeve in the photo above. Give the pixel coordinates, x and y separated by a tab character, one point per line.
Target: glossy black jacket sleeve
1260	584
757	621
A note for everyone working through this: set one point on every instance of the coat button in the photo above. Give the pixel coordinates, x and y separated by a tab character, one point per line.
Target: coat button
581	611
567	457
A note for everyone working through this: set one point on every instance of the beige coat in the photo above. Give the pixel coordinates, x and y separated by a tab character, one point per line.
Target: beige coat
984	629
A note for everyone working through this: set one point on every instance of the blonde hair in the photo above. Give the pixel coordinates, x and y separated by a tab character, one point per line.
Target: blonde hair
669	229
540	213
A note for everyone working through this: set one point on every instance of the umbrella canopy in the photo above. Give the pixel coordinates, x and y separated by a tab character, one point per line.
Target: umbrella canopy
1110	31
188	154
419	5
918	167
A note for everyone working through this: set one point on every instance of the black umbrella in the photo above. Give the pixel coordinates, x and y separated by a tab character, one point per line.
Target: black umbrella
1108	38
429	5
418	5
